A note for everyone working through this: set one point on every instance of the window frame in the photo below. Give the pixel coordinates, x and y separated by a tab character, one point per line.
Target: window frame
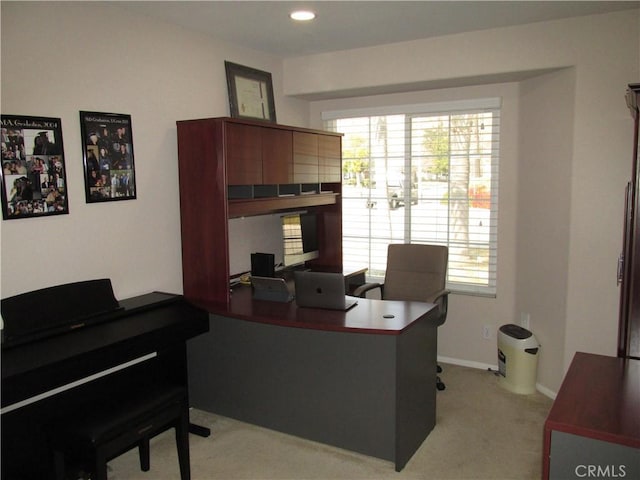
411	111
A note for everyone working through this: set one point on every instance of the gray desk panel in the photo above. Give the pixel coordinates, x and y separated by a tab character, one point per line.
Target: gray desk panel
576	457
373	394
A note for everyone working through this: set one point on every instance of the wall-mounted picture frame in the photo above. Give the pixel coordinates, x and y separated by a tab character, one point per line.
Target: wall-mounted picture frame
34	176
250	93
107	150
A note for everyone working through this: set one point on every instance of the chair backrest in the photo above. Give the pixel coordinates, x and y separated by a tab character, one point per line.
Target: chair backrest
415	271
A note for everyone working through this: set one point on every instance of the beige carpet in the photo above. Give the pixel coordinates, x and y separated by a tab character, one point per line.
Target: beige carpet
482	432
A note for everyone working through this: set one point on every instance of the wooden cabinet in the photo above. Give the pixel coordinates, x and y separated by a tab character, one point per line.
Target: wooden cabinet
243	150
629	263
329	159
305	157
277	156
257	155
316	158
231	168
594	423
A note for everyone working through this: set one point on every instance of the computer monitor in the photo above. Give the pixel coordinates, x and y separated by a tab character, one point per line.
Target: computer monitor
300	238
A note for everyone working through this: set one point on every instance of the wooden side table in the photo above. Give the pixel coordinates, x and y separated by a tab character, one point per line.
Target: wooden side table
593	428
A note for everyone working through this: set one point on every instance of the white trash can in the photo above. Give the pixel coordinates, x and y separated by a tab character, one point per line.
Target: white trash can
518	352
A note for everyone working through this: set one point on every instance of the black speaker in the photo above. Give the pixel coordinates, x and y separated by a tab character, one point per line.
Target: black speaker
263	264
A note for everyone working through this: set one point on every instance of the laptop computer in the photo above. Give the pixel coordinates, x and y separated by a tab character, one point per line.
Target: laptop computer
273	289
322	290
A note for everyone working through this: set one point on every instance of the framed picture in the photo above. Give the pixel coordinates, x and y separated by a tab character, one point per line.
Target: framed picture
34	180
250	93
107	149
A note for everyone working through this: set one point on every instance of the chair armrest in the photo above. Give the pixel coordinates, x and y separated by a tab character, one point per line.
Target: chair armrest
435	297
362	290
441	298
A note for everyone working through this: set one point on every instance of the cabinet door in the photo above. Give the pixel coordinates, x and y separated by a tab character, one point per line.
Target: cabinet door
329	158
305	157
277	156
243	149
629	268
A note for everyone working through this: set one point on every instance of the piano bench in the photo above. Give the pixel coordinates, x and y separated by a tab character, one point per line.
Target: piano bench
110	428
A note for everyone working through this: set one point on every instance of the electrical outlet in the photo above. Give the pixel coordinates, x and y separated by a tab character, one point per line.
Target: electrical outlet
524	320
486	332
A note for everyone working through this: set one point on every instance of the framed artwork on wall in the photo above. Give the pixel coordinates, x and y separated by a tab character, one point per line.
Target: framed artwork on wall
34	180
107	150
250	93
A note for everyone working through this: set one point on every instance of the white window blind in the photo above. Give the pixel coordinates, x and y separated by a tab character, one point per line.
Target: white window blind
422	174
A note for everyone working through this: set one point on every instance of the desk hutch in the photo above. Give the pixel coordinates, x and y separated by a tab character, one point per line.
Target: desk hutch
231	168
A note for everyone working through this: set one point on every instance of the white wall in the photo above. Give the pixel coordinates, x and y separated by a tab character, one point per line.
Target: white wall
573	157
544	212
247	235
60	58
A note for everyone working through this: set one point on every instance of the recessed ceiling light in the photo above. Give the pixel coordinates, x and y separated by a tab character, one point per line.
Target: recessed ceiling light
302	15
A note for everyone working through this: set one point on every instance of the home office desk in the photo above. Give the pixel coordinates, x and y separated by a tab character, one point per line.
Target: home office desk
354	379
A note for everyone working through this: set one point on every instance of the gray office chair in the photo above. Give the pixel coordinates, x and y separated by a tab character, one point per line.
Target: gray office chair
415	272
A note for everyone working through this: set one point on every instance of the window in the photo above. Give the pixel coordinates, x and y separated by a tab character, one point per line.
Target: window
422	174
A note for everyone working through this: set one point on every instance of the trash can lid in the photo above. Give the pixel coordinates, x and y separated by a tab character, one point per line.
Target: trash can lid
515	331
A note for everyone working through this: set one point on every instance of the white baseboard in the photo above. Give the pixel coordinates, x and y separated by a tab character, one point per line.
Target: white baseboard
467	363
546	392
486	366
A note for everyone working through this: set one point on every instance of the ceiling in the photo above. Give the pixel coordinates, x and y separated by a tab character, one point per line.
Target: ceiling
265	25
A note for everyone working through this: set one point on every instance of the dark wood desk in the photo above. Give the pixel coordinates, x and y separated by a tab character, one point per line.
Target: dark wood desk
51	377
595	420
354	379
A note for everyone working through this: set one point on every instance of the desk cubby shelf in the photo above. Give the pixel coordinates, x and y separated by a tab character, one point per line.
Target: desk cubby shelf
243	192
262	206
